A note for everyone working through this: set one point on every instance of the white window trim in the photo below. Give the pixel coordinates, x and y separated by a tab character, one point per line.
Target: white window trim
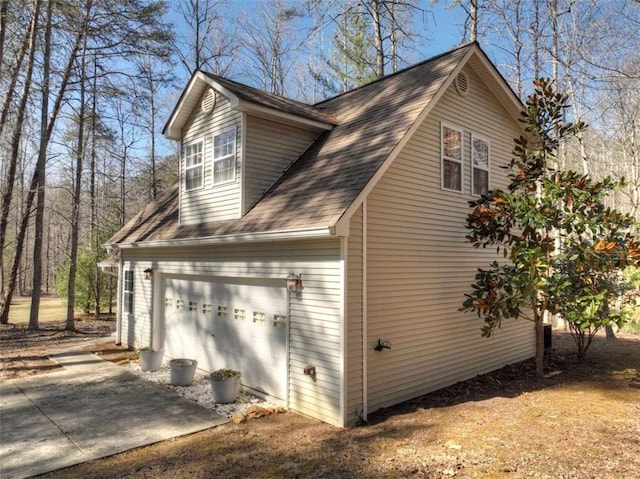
474	167
185	168
444	125
128	293
234	155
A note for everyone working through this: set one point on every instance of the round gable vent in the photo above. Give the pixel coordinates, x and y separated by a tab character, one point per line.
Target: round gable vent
462	84
208	101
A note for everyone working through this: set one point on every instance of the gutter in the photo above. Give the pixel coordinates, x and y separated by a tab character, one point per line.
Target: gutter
303	233
289	118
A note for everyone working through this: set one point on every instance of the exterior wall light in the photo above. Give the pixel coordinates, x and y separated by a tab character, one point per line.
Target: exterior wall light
148	273
294	283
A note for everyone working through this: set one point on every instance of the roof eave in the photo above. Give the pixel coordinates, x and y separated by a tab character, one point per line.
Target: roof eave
173	128
288	118
263	236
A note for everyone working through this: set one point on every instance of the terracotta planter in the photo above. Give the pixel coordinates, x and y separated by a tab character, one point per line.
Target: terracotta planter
182	371
225	390
151	360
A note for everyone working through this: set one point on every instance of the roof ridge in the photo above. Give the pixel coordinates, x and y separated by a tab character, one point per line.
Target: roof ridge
259	90
314	105
271	100
393	74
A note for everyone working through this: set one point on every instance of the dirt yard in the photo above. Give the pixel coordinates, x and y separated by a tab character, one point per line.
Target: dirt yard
583	421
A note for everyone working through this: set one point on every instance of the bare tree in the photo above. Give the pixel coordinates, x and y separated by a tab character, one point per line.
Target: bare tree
154	78
269	46
206	43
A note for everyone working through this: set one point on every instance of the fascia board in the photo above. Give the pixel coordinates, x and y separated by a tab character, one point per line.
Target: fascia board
306	233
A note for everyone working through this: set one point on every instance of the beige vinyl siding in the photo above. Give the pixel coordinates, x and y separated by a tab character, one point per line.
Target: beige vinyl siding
314	316
212	202
354	316
270	148
136	328
419	265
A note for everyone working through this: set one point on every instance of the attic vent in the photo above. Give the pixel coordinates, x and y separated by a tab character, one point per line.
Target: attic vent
208	101
462	84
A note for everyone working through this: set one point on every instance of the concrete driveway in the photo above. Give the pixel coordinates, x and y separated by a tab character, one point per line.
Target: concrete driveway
90	409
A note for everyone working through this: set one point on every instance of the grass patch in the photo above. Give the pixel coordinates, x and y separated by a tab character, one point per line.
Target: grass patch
52	308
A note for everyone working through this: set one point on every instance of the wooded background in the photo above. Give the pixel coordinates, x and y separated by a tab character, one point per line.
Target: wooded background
86	85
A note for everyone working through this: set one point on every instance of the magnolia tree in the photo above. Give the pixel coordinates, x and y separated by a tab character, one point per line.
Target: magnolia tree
566	250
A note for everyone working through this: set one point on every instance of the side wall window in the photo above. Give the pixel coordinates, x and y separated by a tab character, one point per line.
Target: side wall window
224	157
193	165
128	292
451	160
479	165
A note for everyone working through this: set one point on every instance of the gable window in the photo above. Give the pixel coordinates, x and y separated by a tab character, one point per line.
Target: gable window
451	147
224	157
193	166
128	291
479	165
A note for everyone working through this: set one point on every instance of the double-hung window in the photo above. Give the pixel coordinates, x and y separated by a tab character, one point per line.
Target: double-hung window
451	147
224	157
193	165
128	292
479	165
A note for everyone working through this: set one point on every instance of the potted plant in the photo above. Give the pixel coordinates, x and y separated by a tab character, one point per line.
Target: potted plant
150	359
225	384
182	371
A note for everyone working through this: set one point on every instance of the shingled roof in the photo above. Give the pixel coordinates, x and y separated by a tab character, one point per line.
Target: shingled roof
321	186
270	100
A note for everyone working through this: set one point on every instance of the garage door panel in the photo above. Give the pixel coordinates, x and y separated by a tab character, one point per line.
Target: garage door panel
230	323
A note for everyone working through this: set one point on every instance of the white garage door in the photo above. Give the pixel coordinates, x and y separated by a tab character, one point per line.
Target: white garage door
230	324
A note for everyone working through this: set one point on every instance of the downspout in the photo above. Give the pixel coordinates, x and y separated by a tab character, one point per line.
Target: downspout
243	169
344	245
119	301
180	176
288	350
156	305
365	333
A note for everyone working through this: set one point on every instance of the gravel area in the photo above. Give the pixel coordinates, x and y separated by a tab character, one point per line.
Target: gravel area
199	391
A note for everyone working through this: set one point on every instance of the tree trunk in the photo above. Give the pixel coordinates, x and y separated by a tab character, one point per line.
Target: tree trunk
473	16
41	171
16	137
15	75
555	46
95	239
4	8
536	41
17	257
393	37
539	346
77	189
608	328
377	35
152	120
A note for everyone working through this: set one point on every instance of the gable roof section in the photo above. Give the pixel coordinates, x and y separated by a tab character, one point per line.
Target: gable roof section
268	100
243	98
328	182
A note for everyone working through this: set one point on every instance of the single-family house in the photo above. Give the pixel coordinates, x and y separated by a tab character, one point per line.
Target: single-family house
320	249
